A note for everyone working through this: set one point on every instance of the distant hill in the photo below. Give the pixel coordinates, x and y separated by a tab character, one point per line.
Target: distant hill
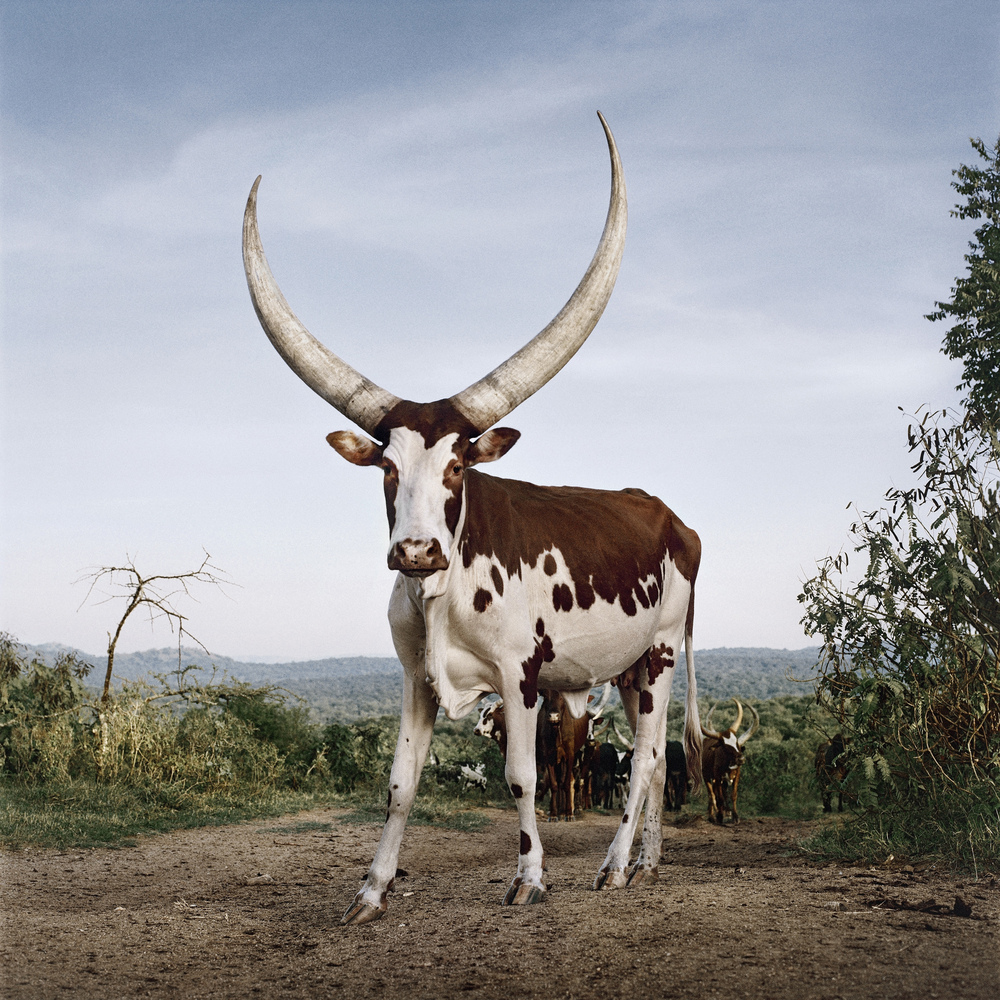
357	687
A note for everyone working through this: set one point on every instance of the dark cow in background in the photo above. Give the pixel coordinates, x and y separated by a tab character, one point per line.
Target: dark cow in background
587	762
604	773
831	771
676	787
721	760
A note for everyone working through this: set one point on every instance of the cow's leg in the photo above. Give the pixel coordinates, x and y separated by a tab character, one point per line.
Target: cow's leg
552	779
570	785
415	728
647	865
712	810
736	788
527	886
650	736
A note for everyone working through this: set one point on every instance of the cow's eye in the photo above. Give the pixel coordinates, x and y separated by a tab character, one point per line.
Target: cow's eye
456	470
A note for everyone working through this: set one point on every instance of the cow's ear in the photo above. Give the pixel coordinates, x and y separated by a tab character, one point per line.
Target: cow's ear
355	448
492	445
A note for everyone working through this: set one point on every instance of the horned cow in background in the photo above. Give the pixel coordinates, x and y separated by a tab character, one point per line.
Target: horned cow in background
560	739
504	586
721	760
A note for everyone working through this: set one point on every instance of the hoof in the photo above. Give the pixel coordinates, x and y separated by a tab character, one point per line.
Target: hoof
522	894
639	875
610	880
362	913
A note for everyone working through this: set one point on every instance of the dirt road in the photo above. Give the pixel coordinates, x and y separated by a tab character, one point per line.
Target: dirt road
253	910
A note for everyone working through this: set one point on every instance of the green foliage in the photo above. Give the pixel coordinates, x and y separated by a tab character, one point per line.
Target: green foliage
179	732
911	662
975	338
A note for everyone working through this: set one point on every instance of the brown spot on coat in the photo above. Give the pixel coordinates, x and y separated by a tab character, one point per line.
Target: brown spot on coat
549	565
656	660
482	600
562	599
390	484
525	843
517	791
645	702
531	666
540	627
497	580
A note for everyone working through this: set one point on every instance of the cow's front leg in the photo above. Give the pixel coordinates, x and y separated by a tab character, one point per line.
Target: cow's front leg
521	774
736	788
415	728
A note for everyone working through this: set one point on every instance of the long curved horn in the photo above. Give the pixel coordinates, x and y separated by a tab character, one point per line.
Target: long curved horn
741	741
605	696
704	727
625	742
494	396
357	397
739	716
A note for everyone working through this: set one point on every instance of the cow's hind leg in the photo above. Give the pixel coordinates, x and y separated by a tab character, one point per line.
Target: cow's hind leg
648	760
527	885
416	726
647	864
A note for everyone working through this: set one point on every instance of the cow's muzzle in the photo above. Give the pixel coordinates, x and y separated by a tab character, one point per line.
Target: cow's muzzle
417	557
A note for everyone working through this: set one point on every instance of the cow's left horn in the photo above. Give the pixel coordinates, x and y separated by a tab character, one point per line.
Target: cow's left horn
357	397
494	396
754	726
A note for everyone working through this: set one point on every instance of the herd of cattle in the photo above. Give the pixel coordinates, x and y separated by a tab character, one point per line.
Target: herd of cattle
578	771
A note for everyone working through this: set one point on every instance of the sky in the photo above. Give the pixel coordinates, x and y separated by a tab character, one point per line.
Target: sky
435	181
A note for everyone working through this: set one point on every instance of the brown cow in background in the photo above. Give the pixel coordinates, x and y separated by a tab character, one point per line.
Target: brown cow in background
721	760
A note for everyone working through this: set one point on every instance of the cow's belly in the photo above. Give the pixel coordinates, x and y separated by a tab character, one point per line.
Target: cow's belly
488	640
593	646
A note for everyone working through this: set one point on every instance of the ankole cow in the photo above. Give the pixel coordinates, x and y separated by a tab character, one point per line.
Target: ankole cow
722	758
504	586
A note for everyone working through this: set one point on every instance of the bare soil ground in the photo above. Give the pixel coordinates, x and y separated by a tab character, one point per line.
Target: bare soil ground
252	911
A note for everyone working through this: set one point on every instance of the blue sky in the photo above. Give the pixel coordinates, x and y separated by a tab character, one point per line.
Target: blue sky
435	182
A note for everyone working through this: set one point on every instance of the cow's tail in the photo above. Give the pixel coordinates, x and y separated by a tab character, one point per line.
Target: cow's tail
692	721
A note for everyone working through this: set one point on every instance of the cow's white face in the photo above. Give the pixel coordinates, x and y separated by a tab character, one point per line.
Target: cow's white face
424	476
423	487
486	726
